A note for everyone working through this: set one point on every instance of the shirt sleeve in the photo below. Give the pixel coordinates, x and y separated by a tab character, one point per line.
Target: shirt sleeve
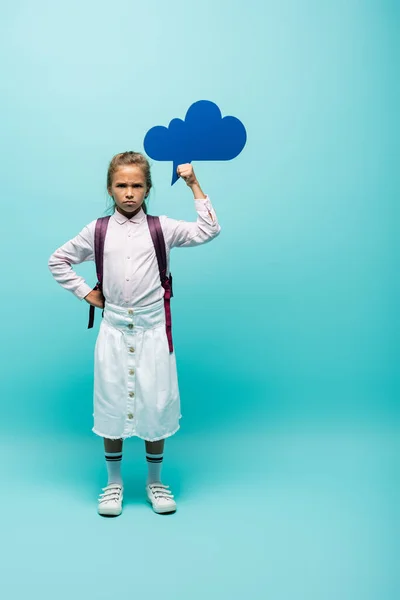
186	233
73	252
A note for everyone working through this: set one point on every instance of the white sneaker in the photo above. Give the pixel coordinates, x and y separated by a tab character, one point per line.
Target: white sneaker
160	497
110	501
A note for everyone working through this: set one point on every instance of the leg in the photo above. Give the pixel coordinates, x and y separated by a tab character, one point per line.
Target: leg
155	447
158	494
112	445
154	458
113	453
110	501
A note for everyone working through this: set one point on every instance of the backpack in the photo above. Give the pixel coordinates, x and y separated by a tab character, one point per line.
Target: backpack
159	245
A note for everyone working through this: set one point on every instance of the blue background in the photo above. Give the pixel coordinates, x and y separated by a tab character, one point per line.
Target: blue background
286	326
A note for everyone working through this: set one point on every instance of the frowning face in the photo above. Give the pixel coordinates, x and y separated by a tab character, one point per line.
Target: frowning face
129	189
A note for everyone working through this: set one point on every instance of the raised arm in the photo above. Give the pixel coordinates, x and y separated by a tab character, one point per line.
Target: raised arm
73	252
201	231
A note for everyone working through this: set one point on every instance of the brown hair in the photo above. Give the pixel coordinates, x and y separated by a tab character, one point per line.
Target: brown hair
129	158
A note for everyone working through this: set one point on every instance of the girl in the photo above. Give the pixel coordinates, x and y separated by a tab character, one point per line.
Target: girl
135	378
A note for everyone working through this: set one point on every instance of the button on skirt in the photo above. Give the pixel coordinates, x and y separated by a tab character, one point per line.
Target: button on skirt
136	390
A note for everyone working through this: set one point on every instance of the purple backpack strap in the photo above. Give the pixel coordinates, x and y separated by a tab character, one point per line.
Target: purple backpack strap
99	237
166	282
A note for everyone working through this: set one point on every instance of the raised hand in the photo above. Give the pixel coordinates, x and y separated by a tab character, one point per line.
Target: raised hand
187	173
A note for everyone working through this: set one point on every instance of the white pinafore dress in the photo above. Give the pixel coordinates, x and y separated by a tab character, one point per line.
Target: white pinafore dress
136	389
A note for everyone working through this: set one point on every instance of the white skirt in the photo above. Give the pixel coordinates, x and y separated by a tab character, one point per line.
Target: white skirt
136	389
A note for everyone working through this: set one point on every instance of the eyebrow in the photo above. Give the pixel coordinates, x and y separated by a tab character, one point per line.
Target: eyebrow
134	183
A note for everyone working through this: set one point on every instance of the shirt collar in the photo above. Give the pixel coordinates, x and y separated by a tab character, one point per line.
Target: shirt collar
121	219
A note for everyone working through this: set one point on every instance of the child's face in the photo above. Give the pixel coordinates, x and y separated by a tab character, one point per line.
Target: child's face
128	188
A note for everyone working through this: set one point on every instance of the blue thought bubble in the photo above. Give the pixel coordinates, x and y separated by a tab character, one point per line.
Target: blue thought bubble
203	135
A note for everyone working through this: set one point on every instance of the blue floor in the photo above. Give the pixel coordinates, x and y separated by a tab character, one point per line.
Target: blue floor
286	513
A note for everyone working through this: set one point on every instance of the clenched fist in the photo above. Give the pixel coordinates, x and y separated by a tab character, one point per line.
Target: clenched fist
187	173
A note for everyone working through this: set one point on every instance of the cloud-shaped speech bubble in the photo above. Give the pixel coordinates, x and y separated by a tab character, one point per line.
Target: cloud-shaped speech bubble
203	135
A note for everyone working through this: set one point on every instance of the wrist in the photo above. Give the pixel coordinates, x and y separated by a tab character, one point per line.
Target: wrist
197	191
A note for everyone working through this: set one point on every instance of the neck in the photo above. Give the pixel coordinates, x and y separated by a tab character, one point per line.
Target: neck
129	215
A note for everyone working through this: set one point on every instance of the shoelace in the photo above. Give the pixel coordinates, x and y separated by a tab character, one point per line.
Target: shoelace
110	493
161	491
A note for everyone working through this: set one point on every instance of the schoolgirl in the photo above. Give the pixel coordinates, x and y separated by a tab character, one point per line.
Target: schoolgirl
136	390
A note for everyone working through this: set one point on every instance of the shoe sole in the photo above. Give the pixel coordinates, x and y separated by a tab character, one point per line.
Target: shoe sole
161	511
109	513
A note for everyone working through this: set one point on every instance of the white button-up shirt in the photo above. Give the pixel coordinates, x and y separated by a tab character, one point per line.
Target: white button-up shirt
130	272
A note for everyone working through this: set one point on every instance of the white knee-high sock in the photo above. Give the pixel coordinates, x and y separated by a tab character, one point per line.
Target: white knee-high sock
154	464
113	462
